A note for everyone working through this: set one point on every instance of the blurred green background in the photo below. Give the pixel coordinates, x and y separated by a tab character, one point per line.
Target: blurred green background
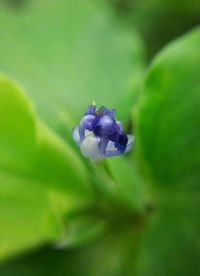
61	214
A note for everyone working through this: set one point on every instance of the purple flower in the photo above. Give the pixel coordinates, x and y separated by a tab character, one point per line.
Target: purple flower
99	135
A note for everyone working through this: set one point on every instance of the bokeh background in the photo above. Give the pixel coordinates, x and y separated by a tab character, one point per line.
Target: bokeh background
61	214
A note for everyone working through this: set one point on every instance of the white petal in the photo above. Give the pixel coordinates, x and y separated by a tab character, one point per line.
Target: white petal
90	147
119	124
131	142
88	133
75	135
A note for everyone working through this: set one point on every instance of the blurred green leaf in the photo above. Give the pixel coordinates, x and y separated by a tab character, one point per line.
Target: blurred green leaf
169	5
111	255
159	21
40	177
69	53
169	152
170	244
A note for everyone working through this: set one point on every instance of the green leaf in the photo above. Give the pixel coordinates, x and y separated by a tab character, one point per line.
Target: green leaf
69	53
169	152
129	187
41	178
168	116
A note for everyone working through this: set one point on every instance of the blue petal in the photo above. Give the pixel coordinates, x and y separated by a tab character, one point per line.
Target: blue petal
103	127
121	142
103	145
90	110
113	151
105	111
86	123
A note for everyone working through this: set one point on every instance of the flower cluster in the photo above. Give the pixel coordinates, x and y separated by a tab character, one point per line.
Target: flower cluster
99	135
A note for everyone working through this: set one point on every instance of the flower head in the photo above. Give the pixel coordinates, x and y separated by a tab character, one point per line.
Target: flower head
99	135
